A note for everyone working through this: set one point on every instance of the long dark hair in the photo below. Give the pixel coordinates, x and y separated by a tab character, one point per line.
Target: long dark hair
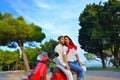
71	45
71	42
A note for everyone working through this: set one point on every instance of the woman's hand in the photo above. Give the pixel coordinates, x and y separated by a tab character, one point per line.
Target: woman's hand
65	60
80	63
78	60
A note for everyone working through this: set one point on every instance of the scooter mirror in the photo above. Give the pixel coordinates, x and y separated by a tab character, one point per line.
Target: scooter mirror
56	54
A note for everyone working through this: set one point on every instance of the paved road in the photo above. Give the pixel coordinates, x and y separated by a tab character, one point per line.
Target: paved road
90	75
102	75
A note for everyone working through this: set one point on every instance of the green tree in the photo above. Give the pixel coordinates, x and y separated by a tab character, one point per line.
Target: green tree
91	57
100	29
111	24
1	59
91	33
17	30
7	58
49	47
32	54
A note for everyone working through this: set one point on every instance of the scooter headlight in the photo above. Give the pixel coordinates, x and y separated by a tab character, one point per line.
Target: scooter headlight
42	57
39	58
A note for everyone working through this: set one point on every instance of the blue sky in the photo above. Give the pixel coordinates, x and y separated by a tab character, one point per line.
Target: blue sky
56	17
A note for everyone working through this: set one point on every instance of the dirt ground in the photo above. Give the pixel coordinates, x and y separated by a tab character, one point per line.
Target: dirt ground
90	75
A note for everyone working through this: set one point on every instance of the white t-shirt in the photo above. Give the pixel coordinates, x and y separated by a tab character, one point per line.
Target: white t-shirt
71	55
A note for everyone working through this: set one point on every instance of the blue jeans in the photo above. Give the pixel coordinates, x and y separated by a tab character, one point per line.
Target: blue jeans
76	67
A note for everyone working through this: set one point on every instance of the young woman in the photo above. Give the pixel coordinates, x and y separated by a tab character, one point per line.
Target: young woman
70	50
60	59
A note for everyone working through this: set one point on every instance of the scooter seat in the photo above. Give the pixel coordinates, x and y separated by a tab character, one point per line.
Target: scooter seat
55	69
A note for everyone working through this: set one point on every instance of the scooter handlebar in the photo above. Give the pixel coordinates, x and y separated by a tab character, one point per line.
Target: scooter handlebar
49	60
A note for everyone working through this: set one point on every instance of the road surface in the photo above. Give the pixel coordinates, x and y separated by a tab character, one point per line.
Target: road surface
90	75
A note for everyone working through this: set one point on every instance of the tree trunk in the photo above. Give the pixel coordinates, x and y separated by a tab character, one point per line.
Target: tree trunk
8	67
116	59
102	59
1	67
26	65
16	64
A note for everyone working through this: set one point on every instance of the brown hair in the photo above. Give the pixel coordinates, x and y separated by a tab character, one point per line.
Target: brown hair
71	42
60	37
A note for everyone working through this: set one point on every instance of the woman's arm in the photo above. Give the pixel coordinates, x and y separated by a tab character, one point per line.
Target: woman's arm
65	60
65	57
78	59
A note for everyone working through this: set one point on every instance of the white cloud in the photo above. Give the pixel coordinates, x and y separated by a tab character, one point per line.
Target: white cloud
41	4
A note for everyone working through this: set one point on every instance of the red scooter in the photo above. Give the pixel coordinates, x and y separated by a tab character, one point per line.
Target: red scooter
39	72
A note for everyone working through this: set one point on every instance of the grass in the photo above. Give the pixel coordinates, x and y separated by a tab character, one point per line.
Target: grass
100	68
116	69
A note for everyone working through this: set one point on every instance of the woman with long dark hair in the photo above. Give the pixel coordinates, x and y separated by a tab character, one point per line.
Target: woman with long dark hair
70	50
